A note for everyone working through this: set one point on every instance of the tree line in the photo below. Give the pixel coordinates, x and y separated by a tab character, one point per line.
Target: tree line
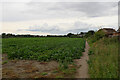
80	35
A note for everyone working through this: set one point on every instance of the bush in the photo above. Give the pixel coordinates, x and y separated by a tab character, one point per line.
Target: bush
89	33
97	36
90	52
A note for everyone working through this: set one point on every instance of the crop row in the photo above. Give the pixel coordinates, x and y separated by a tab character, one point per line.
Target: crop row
44	49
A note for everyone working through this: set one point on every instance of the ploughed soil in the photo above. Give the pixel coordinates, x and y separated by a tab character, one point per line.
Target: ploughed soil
27	68
34	69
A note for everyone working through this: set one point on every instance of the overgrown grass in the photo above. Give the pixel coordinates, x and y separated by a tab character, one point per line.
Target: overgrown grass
103	62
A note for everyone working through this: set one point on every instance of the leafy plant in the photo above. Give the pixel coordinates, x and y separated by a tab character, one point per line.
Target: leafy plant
44	73
4	62
63	50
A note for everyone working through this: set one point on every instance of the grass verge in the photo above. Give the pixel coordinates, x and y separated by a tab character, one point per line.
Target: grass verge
103	62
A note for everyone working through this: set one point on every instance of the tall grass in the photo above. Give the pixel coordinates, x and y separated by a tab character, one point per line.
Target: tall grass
103	62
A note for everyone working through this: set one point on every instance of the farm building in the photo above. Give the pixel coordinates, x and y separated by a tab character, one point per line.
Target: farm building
82	34
118	30
117	33
108	31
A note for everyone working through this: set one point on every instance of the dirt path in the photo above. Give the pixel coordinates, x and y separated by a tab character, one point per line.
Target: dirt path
82	71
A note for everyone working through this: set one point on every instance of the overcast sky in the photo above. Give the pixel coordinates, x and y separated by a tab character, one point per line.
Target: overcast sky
44	18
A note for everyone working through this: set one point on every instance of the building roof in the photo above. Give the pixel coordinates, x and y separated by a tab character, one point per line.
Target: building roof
108	31
118	30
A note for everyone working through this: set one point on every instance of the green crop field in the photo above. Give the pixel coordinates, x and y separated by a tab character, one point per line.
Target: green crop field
44	49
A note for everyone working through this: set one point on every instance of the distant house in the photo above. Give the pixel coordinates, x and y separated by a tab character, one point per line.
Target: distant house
117	33
82	34
118	30
108	31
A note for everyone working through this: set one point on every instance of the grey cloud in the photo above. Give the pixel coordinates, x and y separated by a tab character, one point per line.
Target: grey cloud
91	9
79	24
78	30
119	14
43	28
75	9
56	29
41	10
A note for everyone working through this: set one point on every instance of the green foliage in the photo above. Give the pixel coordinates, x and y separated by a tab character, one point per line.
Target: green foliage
4	62
89	33
69	71
63	50
55	71
60	76
97	36
44	73
103	58
90	52
70	34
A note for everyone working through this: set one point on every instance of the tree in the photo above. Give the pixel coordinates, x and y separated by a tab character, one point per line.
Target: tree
3	35
99	34
70	34
82	33
89	33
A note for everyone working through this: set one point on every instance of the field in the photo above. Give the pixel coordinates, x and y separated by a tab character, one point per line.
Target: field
103	56
63	50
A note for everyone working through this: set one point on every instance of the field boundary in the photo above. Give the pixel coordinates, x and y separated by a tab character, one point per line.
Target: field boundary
82	71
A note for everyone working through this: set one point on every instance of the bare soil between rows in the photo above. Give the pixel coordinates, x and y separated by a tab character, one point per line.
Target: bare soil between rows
27	68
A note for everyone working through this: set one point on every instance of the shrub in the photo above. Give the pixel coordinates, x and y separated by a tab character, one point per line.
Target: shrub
97	36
